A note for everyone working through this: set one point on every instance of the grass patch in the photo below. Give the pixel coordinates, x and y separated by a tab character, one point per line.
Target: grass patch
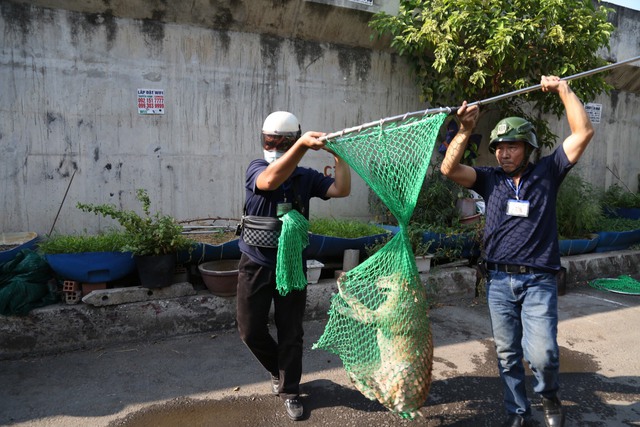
112	241
344	228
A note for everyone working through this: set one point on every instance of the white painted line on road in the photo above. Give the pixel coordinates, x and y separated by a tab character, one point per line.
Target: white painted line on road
605	300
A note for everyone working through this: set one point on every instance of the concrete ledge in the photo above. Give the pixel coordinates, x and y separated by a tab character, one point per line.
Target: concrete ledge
63	327
592	266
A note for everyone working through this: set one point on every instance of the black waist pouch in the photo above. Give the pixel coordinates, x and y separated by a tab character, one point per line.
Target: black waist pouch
261	231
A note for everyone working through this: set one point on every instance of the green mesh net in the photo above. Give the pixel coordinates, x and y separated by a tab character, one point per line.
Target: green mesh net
621	284
378	323
294	237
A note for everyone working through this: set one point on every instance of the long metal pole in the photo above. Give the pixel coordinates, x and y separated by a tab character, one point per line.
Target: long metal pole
450	110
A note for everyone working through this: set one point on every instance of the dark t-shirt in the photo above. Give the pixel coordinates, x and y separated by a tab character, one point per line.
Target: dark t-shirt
531	240
302	185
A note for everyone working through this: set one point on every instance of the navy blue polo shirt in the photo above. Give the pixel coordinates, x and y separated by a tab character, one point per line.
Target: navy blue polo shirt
531	240
302	185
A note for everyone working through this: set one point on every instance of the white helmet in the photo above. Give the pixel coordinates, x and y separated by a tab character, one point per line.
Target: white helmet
281	123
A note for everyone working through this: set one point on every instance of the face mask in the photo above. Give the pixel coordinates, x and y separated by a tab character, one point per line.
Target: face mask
272	156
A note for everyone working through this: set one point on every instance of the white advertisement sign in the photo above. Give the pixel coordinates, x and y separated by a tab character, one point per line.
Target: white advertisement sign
150	101
594	111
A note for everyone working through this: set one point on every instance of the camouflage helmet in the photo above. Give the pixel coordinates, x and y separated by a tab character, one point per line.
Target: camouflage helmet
513	129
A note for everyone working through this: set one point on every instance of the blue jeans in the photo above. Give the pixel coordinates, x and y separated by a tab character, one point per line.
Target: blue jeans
524	319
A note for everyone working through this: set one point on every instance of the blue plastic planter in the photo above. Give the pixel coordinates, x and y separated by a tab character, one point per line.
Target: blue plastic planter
202	252
464	242
630	213
578	246
92	267
23	240
325	247
617	240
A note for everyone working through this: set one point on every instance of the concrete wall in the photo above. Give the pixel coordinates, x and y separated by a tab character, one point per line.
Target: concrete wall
70	71
68	87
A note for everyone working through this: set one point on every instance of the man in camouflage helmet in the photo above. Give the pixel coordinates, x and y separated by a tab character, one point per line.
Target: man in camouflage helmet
521	248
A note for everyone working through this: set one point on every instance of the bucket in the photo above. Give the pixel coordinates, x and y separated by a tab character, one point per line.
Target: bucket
221	276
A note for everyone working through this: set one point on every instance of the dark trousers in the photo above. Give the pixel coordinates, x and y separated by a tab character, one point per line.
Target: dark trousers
283	358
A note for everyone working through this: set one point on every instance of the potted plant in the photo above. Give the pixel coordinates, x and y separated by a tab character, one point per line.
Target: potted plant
439	216
420	249
154	240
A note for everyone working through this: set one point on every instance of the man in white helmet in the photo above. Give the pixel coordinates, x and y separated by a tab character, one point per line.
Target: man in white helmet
275	184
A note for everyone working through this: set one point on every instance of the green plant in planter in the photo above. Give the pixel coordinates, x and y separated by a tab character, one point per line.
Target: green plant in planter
579	208
415	236
112	241
155	234
617	197
436	212
343	228
436	204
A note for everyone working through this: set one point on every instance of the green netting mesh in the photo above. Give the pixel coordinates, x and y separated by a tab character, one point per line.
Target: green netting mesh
378	321
621	284
294	237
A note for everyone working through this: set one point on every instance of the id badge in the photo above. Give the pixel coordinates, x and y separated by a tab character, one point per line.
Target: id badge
283	208
518	208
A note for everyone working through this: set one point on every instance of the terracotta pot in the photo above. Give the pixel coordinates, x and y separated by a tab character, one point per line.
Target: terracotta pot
220	277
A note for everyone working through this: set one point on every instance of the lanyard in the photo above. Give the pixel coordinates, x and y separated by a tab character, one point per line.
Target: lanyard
285	188
516	190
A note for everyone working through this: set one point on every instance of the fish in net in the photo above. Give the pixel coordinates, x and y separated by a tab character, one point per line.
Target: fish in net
378	321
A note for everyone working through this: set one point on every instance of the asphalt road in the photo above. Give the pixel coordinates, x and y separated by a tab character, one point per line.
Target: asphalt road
212	380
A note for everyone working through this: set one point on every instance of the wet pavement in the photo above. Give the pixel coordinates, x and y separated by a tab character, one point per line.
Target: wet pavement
210	379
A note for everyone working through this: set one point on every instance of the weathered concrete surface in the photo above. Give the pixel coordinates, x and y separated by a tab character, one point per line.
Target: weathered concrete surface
600	265
211	379
103	297
65	327
62	327
69	77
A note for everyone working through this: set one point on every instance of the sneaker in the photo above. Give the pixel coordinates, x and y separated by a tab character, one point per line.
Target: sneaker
294	409
275	384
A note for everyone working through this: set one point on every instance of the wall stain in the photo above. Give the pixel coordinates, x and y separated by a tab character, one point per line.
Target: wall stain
307	49
17	16
86	25
65	168
615	94
51	117
96	154
270	48
153	29
222	22
152	77
360	58
223	19
226	94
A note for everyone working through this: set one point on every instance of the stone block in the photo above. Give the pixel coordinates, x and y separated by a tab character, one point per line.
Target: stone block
136	294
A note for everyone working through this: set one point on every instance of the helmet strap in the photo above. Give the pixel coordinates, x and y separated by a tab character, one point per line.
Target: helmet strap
517	170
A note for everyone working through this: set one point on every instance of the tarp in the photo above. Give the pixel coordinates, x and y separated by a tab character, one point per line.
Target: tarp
26	282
